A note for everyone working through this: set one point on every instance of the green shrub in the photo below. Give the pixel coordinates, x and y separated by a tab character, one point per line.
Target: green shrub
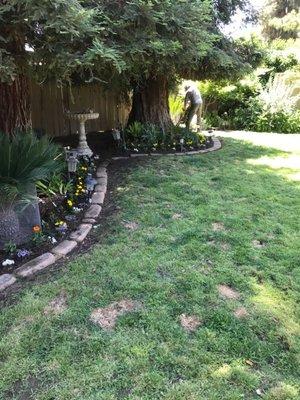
277	62
282	122
248	106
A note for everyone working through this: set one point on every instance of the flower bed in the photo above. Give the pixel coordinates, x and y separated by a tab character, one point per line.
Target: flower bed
148	139
50	256
63	200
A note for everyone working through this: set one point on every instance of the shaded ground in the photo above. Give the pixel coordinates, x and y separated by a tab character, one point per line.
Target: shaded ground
219	314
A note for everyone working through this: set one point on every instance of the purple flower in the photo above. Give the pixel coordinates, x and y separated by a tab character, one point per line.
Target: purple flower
62	228
23	253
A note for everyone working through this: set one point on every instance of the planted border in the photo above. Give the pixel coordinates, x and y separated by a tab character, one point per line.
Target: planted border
91	214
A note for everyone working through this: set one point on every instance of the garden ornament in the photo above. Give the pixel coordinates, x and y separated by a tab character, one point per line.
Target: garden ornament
72	164
90	182
182	145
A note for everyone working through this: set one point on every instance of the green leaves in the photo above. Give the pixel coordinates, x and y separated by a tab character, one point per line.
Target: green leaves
24	160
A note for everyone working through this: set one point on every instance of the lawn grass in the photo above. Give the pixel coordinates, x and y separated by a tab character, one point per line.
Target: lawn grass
228	217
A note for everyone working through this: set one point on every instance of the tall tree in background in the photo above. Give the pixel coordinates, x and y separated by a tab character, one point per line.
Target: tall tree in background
142	45
281	19
160	41
44	39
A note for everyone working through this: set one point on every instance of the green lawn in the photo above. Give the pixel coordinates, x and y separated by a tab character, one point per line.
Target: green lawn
225	218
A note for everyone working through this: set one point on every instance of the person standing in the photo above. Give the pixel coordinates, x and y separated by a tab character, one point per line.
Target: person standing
192	105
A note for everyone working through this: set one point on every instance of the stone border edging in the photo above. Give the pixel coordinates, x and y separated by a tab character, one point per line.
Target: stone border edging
216	146
90	216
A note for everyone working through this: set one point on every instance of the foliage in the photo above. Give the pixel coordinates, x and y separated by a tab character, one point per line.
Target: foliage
176	104
281	19
278	95
55	185
250	106
254	116
277	62
10	248
281	121
171	37
24	160
253	50
226	97
149	138
45	39
95	39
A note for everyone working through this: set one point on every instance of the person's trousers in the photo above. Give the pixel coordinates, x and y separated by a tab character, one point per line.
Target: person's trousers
194	109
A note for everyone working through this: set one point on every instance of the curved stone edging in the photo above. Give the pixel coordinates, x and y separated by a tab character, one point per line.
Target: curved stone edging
217	146
92	213
66	246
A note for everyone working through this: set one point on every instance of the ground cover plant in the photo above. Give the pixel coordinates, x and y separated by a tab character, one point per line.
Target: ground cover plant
191	293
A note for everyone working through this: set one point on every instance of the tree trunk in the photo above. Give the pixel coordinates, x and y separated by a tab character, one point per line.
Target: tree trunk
15	105
150	103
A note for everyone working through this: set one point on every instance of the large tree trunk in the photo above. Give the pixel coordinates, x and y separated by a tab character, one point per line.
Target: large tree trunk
15	105
150	103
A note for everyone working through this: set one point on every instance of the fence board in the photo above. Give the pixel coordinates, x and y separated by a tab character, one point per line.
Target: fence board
49	104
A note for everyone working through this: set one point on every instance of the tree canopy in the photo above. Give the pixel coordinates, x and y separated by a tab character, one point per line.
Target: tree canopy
52	39
134	43
171	37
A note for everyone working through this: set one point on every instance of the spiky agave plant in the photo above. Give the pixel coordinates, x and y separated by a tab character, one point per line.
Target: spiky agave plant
24	160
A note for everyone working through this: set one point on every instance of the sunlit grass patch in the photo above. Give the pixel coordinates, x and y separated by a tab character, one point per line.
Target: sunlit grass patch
287	166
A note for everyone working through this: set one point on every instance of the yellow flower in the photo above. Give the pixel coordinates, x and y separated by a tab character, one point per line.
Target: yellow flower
70	203
58	223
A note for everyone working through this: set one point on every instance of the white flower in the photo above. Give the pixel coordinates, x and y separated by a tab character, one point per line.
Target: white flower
52	239
77	209
8	262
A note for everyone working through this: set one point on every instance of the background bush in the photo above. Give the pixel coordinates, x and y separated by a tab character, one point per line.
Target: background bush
252	106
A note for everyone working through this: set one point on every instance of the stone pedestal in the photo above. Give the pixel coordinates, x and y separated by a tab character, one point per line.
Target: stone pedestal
83	148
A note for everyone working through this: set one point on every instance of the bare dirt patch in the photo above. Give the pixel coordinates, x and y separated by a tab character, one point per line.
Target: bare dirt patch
56	306
241	312
107	317
225	246
258	244
190	323
176	216
228	293
131	225
218	227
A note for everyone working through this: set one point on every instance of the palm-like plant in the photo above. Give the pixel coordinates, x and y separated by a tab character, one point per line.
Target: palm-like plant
24	160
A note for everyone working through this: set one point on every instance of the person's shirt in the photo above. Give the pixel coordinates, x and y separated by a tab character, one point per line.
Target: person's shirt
193	95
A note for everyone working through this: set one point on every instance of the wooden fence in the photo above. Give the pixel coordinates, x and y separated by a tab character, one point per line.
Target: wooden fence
49	104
